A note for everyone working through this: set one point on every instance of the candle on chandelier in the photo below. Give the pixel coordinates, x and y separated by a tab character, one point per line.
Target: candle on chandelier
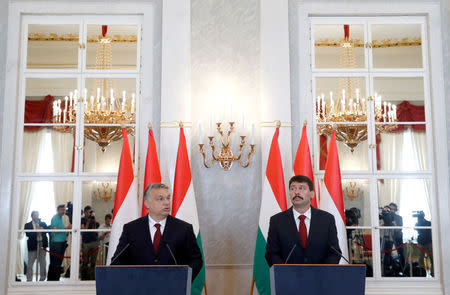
394	113
318	106
323	107
112	103
92	103
71	97
243	124
389	112
357	95
385	110
65	103
102	103
252	137
331	101
98	94
210	124
64	116
133	102
351	105
200	132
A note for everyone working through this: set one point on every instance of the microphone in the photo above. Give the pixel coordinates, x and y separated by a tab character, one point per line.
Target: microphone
120	253
339	253
171	253
290	253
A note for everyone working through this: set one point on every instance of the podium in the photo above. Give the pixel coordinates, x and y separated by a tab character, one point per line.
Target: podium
315	279
140	280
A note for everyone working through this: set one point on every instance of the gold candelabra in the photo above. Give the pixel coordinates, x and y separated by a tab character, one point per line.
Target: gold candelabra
350	107
103	191
99	108
226	156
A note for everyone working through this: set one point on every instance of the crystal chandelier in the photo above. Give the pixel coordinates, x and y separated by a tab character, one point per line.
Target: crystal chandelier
101	107
349	106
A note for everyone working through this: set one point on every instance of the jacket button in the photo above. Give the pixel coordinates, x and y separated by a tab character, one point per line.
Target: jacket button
155	261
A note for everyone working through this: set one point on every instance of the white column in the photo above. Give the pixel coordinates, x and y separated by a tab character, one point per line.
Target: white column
275	79
175	80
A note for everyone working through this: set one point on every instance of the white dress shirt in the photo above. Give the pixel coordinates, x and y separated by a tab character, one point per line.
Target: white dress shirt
151	225
307	219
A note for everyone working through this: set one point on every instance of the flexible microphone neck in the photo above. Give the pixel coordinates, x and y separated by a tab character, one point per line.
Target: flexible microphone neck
120	253
171	253
339	253
290	253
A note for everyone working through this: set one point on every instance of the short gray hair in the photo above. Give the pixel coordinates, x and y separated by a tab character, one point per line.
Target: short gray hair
153	186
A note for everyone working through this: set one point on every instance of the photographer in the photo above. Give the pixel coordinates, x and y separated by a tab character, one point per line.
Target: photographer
89	244
424	239
397	220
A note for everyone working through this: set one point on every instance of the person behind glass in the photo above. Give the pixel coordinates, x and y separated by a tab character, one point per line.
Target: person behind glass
104	237
36	243
58	244
89	244
302	234
397	220
158	238
424	239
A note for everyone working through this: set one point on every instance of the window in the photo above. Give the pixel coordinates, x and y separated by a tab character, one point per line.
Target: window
370	84
80	82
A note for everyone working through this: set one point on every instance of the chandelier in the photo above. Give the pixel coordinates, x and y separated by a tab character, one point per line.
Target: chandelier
349	106
102	106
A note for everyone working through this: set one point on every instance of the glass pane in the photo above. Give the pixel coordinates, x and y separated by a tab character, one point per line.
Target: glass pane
397	46
111	47
406	253
110	101
351	143
333	50
356	202
52	46
399	99
341	99
360	248
39	202
403	202
48	150
103	145
45	100
402	147
97	204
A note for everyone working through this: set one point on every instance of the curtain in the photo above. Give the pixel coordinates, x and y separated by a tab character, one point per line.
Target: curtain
38	111
63	151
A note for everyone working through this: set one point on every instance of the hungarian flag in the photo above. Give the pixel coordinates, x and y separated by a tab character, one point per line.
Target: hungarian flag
126	200
302	163
273	201
331	199
152	171
184	206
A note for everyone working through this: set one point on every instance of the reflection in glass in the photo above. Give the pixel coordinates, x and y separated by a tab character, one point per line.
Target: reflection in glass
44	205
52	46
356	202
339	46
397	46
360	248
107	160
410	257
111	47
403	149
404	197
97	203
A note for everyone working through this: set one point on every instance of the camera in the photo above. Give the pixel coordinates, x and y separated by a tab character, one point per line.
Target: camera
418	214
69	211
352	216
386	216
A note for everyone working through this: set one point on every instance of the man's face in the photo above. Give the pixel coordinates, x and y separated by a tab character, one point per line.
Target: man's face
393	208
35	217
88	212
300	194
108	221
159	202
61	211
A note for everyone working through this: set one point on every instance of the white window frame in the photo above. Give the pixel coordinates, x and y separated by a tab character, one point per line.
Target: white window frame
439	190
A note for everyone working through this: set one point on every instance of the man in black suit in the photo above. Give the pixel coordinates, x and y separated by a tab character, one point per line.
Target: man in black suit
302	234
35	243
149	240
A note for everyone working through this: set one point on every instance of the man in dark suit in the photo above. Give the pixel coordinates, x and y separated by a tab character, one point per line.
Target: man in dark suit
35	243
302	234
149	240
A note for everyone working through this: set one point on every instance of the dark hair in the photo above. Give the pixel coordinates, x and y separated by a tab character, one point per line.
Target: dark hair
87	208
108	216
61	206
395	205
302	179
34	212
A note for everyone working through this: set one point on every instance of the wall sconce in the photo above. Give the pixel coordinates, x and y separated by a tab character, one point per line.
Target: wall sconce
352	191
103	191
226	156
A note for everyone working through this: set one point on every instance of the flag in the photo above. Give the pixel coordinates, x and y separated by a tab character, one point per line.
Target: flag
126	200
184	206
331	199
152	171
302	163
273	201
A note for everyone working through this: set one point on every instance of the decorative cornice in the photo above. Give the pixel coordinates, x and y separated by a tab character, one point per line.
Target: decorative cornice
416	41
74	38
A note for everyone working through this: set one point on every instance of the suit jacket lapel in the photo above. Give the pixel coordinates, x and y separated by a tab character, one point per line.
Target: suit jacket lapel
147	237
312	226
166	234
292	226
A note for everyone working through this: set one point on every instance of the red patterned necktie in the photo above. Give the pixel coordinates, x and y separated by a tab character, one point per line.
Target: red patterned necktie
157	237
302	230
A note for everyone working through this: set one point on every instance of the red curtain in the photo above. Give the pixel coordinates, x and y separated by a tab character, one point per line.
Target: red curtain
406	112
38	111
